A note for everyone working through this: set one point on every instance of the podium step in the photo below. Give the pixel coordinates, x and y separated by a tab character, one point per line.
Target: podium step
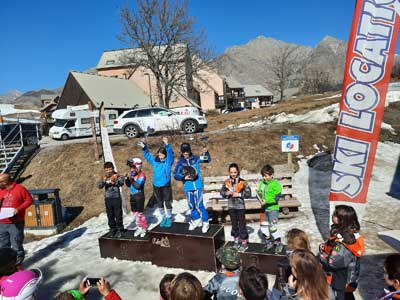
257	256
127	247
178	247
174	247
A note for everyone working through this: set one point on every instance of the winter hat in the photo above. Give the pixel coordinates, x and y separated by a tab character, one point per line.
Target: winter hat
229	256
185	147
21	285
134	161
162	150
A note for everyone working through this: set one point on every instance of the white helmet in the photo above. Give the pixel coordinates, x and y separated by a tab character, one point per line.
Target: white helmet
21	285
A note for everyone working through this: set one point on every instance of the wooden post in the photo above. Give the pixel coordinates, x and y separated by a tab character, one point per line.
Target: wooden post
289	157
93	126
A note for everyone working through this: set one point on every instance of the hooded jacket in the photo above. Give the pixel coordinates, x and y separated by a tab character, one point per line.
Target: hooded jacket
193	161
223	286
341	262
269	191
161	168
237	185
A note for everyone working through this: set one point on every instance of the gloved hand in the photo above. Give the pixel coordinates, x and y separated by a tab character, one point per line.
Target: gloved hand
141	144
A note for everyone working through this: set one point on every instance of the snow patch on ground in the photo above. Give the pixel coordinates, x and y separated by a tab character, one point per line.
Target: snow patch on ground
330	97
66	258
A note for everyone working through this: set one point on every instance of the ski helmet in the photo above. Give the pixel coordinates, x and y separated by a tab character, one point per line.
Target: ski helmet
21	285
185	147
134	161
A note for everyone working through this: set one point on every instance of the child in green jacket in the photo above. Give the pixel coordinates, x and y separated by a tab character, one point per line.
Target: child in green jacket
269	190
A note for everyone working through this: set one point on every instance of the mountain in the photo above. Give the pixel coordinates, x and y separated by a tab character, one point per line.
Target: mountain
248	63
10	96
33	97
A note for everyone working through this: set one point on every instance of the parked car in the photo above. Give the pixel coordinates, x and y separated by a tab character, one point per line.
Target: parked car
188	110
233	109
30	133
156	119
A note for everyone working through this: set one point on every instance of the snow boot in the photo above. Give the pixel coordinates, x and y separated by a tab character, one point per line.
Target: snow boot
206	227
193	224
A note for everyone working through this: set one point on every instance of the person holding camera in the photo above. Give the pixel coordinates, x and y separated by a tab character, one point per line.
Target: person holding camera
135	180
84	287
188	171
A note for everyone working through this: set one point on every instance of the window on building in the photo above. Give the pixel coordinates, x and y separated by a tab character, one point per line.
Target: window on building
97	120
112	116
72	114
110	62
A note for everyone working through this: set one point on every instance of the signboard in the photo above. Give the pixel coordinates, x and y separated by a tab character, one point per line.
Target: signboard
370	55
290	143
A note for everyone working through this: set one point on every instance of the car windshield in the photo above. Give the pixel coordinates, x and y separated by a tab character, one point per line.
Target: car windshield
60	122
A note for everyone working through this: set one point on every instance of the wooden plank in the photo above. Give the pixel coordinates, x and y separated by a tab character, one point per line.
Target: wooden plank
247	177
213	191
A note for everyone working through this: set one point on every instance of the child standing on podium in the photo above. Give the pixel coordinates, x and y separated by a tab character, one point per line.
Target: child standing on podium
161	164
269	190
236	189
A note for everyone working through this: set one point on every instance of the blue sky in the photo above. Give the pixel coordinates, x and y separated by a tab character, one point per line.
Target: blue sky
41	40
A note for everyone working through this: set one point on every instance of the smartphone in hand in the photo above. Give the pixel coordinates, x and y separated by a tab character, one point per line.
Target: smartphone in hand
92	281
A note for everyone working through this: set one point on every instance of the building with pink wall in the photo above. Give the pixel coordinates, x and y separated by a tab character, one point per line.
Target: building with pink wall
205	89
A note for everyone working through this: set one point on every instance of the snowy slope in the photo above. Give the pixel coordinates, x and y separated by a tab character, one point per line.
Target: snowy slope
66	258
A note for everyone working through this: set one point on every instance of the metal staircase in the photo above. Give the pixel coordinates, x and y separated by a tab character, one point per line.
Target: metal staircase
13	153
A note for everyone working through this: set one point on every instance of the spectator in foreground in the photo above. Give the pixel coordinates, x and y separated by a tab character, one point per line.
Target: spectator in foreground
224	285
254	284
392	277
296	239
84	288
186	286
307	281
16	284
17	198
165	286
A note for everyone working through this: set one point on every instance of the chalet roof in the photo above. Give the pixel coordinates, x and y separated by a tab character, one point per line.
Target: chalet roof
256	90
114	92
118	57
233	83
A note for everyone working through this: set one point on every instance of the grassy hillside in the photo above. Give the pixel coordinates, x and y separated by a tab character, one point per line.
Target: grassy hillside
72	168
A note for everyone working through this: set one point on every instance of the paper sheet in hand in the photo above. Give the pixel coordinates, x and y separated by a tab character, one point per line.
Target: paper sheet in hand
6	212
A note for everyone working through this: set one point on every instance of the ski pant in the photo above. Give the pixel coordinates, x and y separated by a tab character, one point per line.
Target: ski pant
114	213
269	226
12	235
163	194
196	205
238	219
137	202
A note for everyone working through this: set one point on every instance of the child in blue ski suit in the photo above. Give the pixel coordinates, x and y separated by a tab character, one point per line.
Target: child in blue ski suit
193	185
161	164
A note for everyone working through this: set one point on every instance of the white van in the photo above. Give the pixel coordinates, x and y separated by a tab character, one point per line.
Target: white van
74	121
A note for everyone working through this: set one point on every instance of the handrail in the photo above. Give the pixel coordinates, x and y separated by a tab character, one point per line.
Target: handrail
14	137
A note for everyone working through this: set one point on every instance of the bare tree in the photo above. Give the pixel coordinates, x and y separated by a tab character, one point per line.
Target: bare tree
316	81
162	33
283	65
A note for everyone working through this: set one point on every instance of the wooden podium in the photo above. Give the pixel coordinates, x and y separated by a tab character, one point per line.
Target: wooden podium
174	247
265	261
127	247
191	250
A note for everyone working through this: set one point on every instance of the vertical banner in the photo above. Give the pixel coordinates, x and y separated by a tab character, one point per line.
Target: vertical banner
370	54
107	152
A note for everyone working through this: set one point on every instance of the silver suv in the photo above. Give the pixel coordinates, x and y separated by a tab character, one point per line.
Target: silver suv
156	119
